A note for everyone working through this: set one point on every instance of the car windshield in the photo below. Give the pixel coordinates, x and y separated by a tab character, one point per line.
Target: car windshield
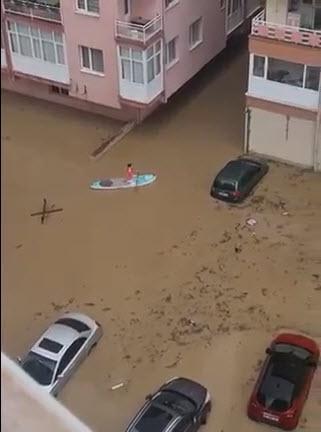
299	352
39	368
154	419
175	402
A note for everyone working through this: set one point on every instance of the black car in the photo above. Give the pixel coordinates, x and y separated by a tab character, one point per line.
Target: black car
236	180
180	405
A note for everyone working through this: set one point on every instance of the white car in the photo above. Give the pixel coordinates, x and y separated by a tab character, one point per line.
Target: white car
60	350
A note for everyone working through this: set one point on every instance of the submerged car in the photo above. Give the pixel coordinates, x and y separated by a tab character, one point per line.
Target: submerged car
284	382
180	405
59	351
237	179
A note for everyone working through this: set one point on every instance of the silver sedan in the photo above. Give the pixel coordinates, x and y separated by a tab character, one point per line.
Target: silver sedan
60	350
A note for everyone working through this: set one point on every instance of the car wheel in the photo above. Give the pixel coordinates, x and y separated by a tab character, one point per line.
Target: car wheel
205	413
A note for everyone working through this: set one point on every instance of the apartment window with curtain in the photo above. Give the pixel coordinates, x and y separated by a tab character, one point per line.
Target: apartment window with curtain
132	64
39	44
92	60
88	6
153	55
171	56
195	33
258	66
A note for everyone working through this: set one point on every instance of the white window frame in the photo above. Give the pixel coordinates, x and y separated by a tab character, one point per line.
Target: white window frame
90	70
85	11
170	64
169	4
195	44
13	30
153	58
266	65
130	58
144	61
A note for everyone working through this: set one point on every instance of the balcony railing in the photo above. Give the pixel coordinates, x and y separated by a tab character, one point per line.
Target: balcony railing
298	35
33	9
138	32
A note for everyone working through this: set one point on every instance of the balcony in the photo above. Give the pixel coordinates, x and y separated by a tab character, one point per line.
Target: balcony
138	29
286	33
47	11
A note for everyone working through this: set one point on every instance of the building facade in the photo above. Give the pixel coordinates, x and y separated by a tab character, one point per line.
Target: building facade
284	90
116	57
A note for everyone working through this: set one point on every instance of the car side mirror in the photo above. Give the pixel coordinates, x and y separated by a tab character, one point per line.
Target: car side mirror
148	397
268	351
19	360
59	376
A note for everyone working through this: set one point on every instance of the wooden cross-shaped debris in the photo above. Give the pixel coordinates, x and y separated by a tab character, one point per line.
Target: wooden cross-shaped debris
46	211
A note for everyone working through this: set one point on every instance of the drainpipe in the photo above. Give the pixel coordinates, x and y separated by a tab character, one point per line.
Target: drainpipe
164	48
4	26
317	143
247	130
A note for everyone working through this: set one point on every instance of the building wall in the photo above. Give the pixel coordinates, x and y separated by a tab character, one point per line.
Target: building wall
176	23
41	90
92	32
26	407
283	137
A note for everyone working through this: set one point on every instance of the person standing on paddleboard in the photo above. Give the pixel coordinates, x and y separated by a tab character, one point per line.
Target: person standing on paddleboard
129	172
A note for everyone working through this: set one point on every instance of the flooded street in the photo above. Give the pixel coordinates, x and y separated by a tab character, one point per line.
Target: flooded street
178	281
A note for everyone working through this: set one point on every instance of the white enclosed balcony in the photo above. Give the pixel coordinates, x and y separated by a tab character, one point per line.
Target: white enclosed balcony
141	73
138	29
47	10
283	32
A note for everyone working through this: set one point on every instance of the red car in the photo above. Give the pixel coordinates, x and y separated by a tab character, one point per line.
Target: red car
284	382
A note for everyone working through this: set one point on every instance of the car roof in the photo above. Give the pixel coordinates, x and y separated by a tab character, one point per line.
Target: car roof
283	377
235	169
60	334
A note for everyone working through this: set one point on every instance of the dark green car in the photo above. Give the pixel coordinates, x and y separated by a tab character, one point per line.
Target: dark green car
237	179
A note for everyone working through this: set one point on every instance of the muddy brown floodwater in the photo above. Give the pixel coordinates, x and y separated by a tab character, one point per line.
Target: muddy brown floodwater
180	284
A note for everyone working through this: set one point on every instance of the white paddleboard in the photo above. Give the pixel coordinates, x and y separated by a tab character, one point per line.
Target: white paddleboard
122	183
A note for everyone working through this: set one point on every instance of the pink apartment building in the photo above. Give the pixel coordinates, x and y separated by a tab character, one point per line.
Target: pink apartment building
121	58
283	100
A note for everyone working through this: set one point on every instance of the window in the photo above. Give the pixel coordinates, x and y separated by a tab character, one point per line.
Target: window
90	6
92	59
285	72
50	345
32	42
59	90
169	3
171	52
133	63
312	77
126	7
77	325
132	66
195	33
153	55
154	419
183	425
258	66
69	355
